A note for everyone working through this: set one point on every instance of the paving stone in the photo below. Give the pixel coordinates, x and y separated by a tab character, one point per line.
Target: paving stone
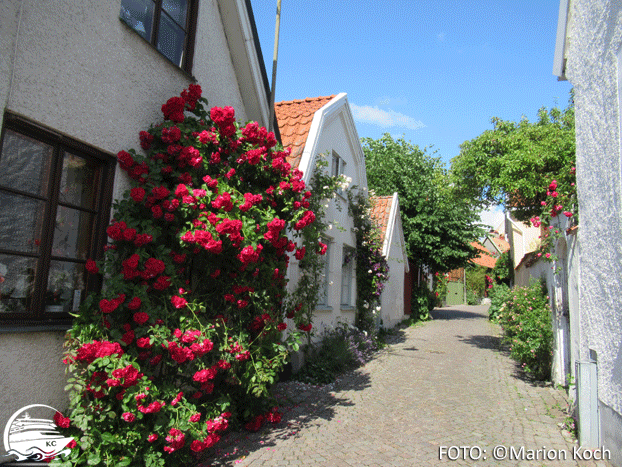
438	386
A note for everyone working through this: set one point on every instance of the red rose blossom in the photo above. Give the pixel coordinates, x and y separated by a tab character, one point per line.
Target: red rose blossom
61	421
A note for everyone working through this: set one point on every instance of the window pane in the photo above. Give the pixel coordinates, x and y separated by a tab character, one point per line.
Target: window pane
335	171
21	221
138	14
25	164
72	233
323	292
346	276
177	9
17	275
171	40
66	285
78	181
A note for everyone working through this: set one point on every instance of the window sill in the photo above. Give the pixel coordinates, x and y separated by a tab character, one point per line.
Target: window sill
323	308
348	308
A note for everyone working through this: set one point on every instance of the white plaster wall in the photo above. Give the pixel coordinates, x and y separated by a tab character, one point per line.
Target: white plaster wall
595	40
392	298
333	135
523	239
333	138
79	70
9	19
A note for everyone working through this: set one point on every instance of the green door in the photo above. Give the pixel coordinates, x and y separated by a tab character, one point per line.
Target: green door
455	293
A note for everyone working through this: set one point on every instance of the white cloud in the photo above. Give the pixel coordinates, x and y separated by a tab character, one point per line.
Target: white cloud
384	118
441	36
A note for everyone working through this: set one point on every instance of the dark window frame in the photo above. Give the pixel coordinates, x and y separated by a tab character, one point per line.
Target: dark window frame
37	317
189	28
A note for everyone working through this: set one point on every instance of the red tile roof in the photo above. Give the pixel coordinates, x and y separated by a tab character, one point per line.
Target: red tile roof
294	118
380	211
501	243
484	258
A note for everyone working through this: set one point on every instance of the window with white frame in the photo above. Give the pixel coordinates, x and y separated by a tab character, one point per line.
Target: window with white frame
347	276
55	198
324	286
338	167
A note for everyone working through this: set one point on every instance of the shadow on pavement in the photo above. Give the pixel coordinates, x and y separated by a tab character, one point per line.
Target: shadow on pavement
485	342
452	313
301	405
496	344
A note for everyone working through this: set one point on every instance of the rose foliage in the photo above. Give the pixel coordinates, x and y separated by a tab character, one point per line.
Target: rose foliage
185	340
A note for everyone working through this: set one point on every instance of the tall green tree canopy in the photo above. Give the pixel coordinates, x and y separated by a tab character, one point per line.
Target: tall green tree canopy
513	163
438	224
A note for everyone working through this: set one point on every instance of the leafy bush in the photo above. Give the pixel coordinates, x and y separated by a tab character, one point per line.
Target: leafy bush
342	349
499	294
475	282
526	323
441	287
372	268
186	338
422	301
473	298
503	271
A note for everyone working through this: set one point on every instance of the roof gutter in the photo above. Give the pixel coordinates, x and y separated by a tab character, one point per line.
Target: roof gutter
559	61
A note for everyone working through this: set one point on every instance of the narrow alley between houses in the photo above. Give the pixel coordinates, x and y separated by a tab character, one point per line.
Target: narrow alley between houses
444	392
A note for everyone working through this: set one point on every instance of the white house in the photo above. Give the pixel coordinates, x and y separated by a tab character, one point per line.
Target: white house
522	238
386	214
588	54
78	81
324	127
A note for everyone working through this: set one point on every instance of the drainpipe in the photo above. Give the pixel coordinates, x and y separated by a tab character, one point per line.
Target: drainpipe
274	60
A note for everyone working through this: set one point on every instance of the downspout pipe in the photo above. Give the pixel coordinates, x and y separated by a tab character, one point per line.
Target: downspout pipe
274	62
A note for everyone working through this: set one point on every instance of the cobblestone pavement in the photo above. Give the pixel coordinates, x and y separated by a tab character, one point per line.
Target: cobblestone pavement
443	383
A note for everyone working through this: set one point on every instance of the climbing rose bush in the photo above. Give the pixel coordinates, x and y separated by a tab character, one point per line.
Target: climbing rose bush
559	204
185	340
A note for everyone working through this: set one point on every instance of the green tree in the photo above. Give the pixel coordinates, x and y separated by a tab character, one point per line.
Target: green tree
438	224
513	163
503	273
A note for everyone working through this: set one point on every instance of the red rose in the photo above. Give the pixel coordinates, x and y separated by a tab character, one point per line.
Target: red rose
162	283
91	267
152	437
300	253
142	239
282	327
61	421
128	417
125	160
129	235
141	317
137	194
134	304
143	343
179	302
145	140
174	109
171	135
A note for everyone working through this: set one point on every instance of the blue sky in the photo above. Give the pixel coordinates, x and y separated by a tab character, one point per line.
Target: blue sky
435	71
